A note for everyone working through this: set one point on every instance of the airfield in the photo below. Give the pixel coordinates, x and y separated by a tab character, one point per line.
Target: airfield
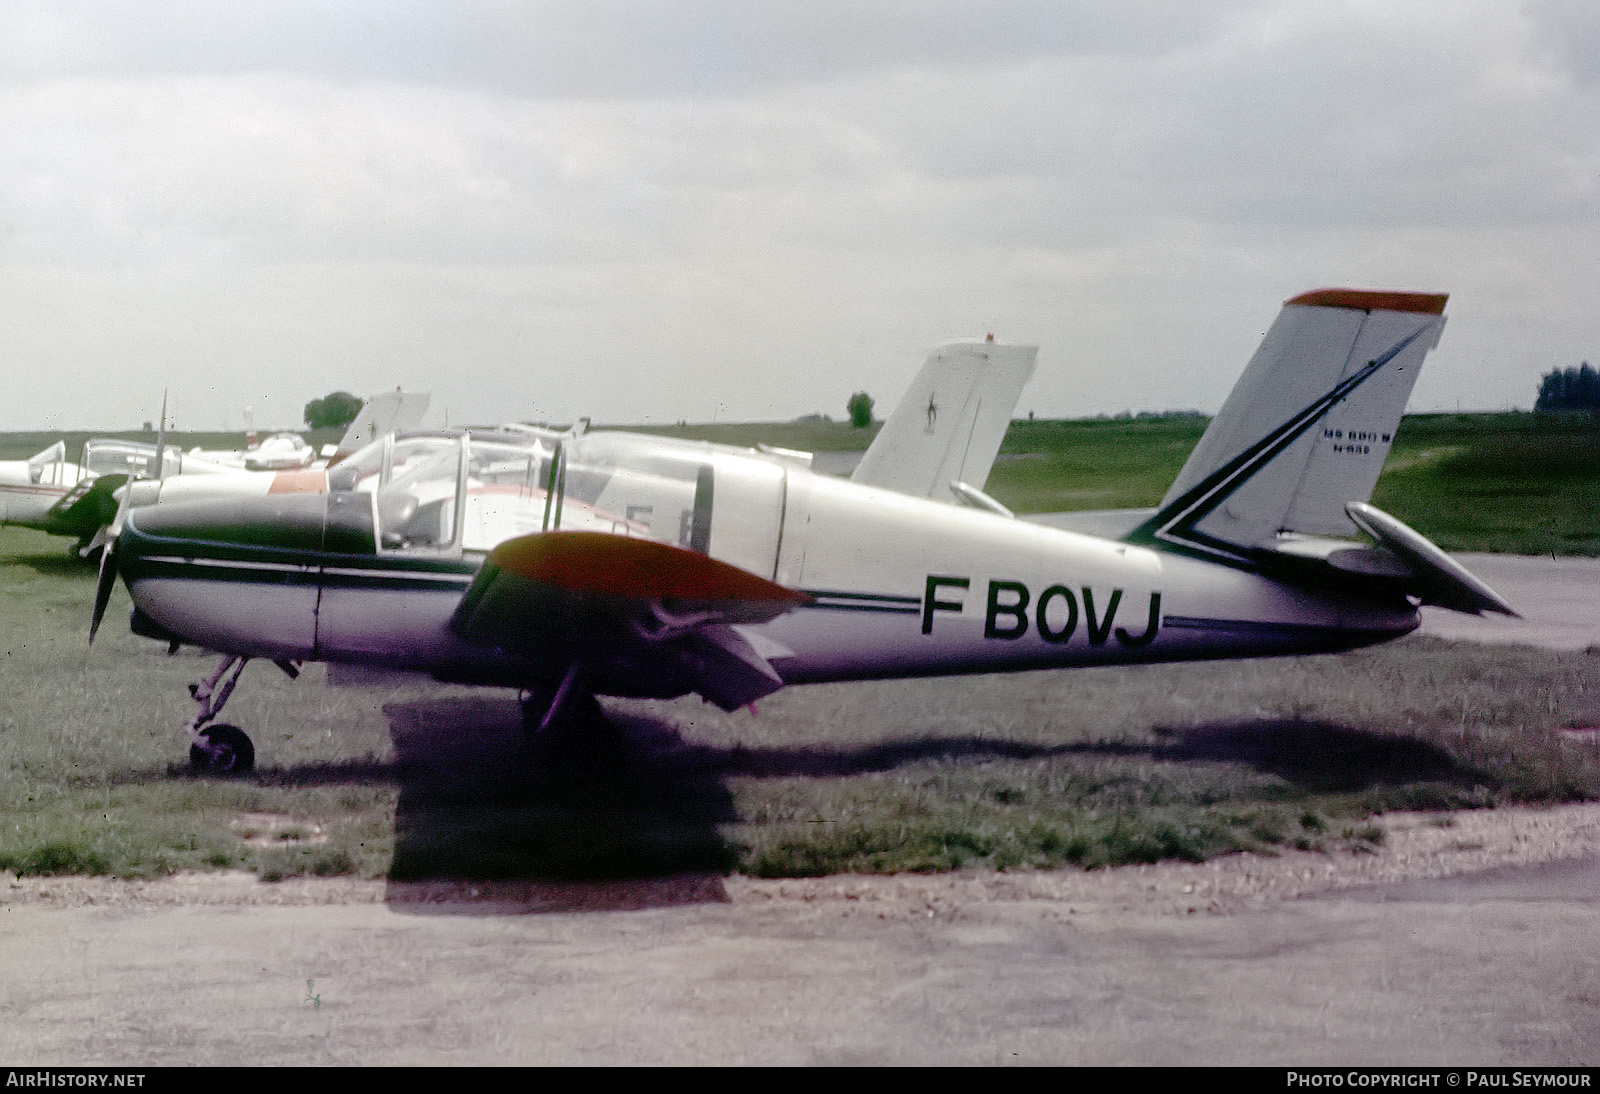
1432	938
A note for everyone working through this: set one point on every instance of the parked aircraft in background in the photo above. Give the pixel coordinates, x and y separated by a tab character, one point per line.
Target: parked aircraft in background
979	382
28	488
629	565
49	492
79	499
386	412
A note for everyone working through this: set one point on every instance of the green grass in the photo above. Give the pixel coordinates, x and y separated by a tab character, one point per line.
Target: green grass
1513	483
807	436
1086	767
1056	466
1519	483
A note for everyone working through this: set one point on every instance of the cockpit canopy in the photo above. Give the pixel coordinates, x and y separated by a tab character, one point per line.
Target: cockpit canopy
474	491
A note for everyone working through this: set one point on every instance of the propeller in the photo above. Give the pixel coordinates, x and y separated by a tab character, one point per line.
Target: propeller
108	562
113	532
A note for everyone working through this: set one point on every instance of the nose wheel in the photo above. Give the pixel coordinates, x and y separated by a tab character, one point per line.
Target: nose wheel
222	750
218	749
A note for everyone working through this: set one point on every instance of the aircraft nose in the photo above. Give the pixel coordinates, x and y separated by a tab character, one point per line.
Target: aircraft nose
238	575
289	522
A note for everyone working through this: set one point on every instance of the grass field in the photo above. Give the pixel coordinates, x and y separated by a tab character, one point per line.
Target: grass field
1084	767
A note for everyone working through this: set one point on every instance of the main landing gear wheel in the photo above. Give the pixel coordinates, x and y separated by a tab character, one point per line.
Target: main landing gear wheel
569	705
227	751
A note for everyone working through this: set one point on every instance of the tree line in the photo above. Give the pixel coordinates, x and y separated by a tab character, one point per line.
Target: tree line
1569	389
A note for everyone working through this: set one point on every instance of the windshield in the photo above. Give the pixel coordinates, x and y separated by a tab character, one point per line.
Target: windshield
418	506
362	469
474	493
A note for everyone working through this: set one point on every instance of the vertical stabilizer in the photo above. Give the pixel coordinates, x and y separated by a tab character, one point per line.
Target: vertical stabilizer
1308	426
387	412
949	426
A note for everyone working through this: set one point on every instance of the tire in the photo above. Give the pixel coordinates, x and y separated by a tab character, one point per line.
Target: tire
229	754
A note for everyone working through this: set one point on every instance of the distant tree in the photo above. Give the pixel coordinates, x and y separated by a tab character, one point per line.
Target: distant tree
333	411
860	407
1570	389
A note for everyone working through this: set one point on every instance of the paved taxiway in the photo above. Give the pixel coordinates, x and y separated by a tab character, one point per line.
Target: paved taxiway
1559	599
1241	961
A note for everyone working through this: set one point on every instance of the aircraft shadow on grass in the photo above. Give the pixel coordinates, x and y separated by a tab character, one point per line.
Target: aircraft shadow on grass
1319	756
629	800
629	797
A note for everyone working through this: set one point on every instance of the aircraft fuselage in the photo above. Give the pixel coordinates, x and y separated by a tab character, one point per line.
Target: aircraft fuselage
898	585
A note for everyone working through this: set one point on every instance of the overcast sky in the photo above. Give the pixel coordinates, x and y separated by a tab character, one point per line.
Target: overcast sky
646	211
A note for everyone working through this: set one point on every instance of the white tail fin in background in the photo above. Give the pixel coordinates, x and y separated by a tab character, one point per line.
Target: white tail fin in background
949	426
1308	426
386	412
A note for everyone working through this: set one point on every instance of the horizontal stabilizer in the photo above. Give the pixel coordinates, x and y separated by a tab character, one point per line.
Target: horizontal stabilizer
1435	577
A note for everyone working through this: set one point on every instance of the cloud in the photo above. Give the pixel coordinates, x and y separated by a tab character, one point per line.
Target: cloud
591	49
773	205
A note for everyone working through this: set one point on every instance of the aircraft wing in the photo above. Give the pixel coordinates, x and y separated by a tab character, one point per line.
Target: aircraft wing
661	618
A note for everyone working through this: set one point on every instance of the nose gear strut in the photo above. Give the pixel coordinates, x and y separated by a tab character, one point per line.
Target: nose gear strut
222	749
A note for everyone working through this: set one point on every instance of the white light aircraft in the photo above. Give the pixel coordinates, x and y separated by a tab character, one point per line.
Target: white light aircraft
30	487
67	499
980	382
285	467
55	495
628	565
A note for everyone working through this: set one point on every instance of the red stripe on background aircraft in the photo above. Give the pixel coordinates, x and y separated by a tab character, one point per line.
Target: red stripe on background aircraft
623	564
